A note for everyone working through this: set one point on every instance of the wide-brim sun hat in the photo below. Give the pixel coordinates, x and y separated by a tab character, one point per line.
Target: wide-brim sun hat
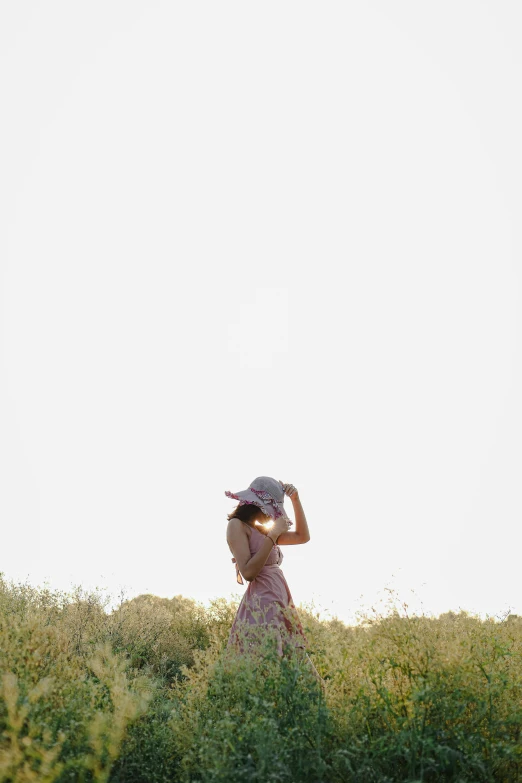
265	492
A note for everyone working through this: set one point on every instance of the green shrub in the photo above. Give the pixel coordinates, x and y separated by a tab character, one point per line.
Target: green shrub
251	717
63	713
150	693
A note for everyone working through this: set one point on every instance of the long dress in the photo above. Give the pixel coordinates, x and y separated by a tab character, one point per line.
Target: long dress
267	602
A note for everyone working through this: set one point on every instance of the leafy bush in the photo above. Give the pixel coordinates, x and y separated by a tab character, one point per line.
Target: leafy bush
150	693
63	713
249	717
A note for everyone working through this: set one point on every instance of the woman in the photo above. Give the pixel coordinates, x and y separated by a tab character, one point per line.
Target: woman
255	545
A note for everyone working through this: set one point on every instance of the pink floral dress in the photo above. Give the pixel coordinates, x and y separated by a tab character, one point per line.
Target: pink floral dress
267	601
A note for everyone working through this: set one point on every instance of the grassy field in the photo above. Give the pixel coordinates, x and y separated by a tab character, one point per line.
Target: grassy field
148	693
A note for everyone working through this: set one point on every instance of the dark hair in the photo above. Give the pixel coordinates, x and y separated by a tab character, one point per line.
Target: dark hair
248	512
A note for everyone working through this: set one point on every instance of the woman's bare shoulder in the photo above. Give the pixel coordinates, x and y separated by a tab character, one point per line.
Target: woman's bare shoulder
236	527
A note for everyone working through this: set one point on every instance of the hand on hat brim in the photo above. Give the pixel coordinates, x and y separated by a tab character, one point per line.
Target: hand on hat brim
290	490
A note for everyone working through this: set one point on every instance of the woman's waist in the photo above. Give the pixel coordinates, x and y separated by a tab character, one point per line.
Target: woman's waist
275	558
270	568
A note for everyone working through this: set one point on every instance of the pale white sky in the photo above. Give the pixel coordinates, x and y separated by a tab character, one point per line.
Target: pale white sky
246	239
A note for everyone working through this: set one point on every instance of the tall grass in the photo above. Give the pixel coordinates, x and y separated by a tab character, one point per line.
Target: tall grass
150	692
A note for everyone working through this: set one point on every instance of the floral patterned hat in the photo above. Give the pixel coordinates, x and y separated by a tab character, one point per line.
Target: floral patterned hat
265	492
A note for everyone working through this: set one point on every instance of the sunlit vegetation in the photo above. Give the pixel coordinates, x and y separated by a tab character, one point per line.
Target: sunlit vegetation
149	693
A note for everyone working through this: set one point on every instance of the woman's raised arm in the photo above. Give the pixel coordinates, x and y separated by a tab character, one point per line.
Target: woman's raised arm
301	534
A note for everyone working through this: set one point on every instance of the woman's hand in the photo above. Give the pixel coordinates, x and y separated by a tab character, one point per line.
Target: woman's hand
291	491
281	525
